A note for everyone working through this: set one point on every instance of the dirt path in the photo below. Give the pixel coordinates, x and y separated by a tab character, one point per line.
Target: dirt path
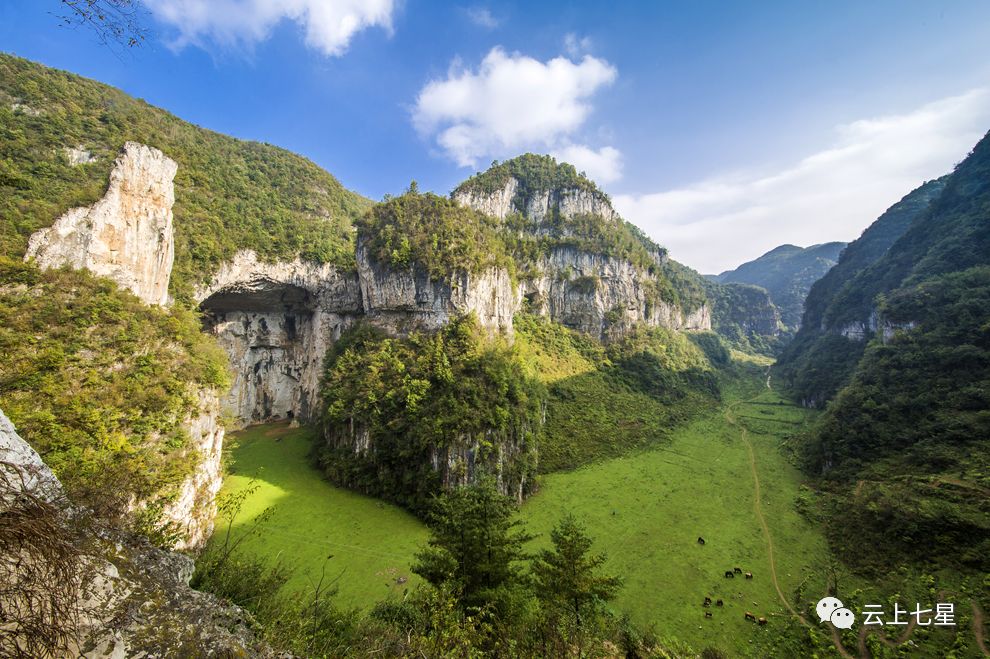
978	617
758	510
978	630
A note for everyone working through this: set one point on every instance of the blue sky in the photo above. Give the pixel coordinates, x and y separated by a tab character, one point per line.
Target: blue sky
723	129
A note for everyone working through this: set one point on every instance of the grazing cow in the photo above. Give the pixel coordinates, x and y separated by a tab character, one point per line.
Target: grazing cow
707	602
701	540
750	616
761	621
749	575
401	580
729	574
737	570
708	614
718	602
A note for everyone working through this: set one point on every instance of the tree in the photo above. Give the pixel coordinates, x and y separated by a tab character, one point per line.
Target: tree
567	579
475	547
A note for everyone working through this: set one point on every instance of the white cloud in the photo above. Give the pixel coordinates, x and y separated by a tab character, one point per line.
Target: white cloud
513	103
834	194
602	166
482	17
328	25
575	46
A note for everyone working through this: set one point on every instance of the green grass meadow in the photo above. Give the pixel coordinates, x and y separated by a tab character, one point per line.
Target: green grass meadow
646	510
372	542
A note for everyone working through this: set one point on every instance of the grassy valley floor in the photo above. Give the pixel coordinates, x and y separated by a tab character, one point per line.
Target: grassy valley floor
646	510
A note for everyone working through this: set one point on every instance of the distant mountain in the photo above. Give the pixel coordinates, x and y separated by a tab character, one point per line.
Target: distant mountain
787	272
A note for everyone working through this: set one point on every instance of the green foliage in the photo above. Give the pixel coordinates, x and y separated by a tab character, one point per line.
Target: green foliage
230	194
903	443
606	400
568	583
475	548
396	407
437	234
818	362
100	383
916	412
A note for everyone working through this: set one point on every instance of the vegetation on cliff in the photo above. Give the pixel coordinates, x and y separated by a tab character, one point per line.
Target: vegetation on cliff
746	317
604	401
534	174
819	361
100	383
230	194
406	417
432	232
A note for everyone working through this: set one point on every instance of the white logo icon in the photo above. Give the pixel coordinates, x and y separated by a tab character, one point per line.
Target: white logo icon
829	605
842	618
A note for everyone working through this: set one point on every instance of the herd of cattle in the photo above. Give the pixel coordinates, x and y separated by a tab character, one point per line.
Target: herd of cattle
731	574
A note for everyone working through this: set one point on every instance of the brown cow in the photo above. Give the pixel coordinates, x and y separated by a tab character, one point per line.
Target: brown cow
761	621
750	616
749	575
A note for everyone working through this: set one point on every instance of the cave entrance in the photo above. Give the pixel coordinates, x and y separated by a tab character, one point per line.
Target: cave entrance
267	329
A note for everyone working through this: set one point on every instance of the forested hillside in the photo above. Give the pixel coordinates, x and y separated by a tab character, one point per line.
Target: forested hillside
820	358
903	445
230	194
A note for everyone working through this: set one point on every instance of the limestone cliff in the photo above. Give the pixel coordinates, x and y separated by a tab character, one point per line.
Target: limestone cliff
194	508
593	273
126	235
276	322
401	300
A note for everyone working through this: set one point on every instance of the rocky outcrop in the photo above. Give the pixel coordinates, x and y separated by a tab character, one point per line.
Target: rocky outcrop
601	295
589	291
24	467
77	589
400	300
276	322
194	508
538	205
125	236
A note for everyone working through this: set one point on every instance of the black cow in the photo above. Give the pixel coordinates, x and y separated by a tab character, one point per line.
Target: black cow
729	574
701	540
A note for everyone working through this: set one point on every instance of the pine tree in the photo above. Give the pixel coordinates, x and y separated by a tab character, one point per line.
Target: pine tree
475	547
567	577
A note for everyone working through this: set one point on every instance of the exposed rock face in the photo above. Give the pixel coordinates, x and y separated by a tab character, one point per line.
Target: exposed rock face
539	205
126	235
591	292
276	321
130	599
601	295
195	507
403	300
32	473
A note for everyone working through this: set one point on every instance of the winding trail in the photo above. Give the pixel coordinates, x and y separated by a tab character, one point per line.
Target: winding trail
864	653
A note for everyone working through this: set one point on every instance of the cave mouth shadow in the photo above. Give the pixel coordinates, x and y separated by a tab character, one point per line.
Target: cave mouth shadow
267	329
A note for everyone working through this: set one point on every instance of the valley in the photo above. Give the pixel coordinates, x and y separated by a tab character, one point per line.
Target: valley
646	510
